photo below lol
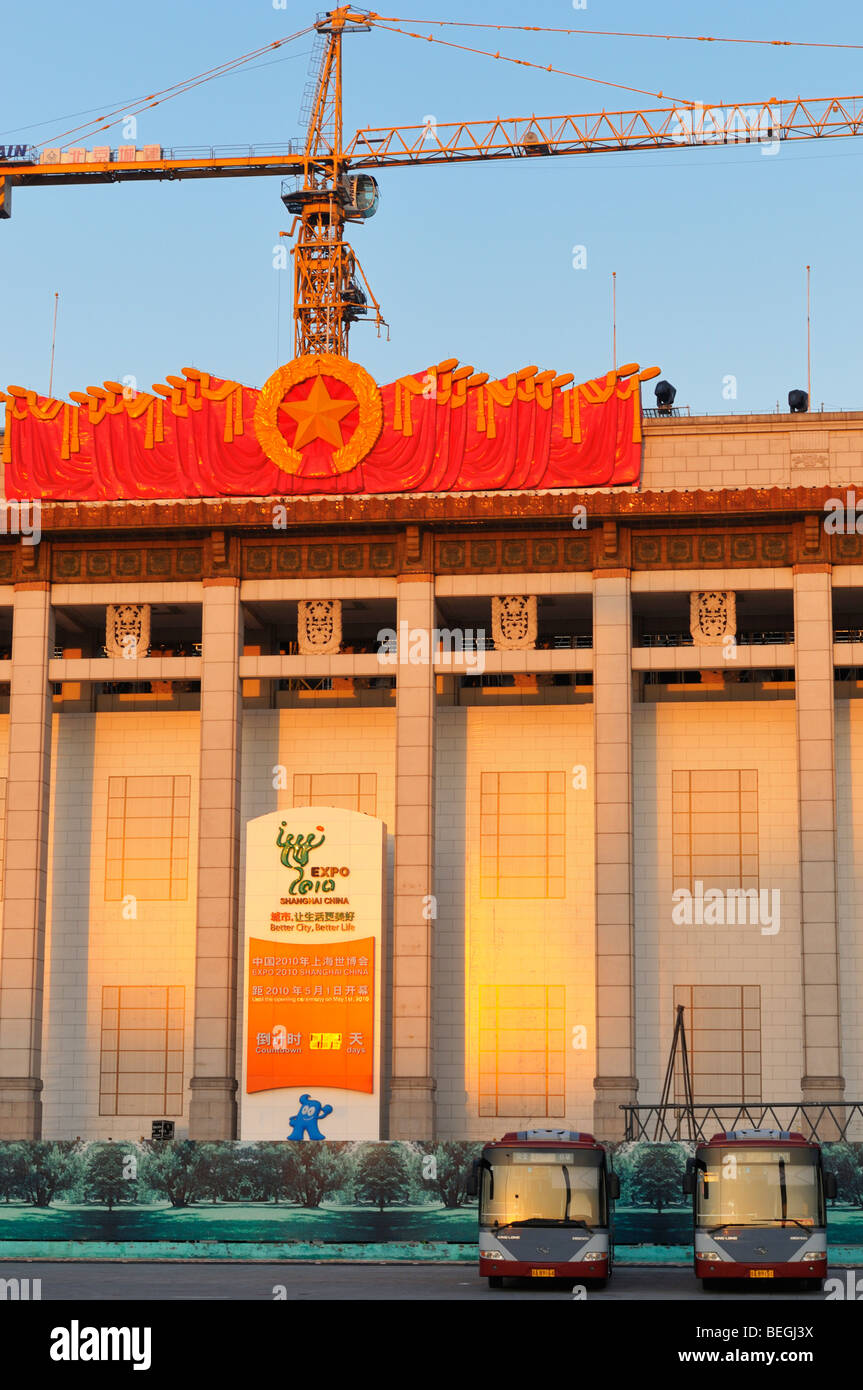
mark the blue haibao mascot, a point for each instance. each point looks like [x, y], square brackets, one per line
[305, 1123]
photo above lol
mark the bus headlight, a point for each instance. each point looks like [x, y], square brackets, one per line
[815, 1255]
[710, 1255]
[492, 1255]
[592, 1255]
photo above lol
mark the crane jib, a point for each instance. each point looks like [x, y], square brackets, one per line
[331, 292]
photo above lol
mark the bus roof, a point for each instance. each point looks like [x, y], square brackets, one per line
[760, 1136]
[546, 1138]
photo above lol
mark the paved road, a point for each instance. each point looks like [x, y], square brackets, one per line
[105, 1281]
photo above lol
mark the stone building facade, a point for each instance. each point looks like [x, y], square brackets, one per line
[545, 796]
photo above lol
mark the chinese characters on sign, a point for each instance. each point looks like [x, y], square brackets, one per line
[311, 1015]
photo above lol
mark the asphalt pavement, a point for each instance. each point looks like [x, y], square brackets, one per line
[226, 1281]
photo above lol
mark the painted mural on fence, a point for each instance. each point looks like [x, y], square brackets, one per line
[237, 1191]
[330, 1192]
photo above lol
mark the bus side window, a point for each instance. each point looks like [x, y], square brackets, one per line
[689, 1178]
[706, 1179]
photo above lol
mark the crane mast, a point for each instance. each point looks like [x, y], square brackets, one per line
[328, 296]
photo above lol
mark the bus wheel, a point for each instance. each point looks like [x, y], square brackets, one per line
[711, 1285]
[598, 1284]
[495, 1281]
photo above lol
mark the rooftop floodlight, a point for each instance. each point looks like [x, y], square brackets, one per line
[798, 400]
[665, 394]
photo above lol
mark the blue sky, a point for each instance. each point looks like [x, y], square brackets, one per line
[474, 262]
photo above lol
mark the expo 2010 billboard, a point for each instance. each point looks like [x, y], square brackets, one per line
[313, 969]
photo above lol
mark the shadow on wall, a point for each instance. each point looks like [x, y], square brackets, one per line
[69, 906]
[451, 924]
[848, 862]
[259, 796]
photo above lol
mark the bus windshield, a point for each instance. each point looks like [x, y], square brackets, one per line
[758, 1187]
[548, 1187]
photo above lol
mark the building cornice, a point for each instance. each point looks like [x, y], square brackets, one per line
[432, 509]
[352, 537]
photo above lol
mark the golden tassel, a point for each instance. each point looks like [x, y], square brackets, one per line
[160, 421]
[480, 410]
[148, 426]
[397, 411]
[64, 442]
[635, 397]
[7, 438]
[239, 427]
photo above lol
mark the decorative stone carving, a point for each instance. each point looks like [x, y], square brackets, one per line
[319, 628]
[712, 616]
[127, 630]
[513, 622]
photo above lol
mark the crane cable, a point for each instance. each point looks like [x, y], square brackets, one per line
[388, 22]
[144, 103]
[88, 110]
[540, 67]
[615, 33]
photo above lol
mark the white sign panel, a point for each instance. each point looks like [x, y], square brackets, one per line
[313, 945]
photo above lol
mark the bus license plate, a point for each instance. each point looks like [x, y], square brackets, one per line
[542, 1273]
[761, 1274]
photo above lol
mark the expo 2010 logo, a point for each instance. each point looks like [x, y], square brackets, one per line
[296, 851]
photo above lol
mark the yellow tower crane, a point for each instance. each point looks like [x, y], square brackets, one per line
[329, 182]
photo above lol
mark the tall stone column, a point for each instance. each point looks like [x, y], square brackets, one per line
[813, 635]
[411, 1111]
[22, 949]
[615, 1082]
[213, 1104]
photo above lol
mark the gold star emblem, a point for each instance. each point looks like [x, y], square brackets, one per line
[318, 416]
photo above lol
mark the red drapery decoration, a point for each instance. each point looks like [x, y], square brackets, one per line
[442, 431]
